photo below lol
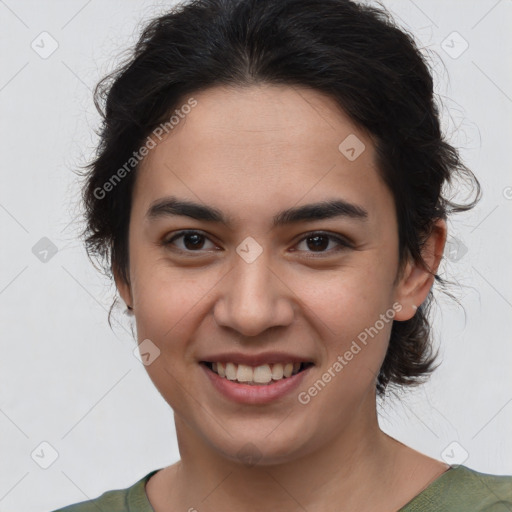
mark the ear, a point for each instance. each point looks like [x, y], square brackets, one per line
[122, 286]
[416, 281]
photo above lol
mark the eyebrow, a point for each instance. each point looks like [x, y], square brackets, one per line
[333, 208]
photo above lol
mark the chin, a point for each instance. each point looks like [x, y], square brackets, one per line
[251, 447]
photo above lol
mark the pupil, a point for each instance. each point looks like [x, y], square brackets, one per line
[197, 243]
[317, 244]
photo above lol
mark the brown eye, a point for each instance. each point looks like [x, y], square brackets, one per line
[319, 242]
[191, 241]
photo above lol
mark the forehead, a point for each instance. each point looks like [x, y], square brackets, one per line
[262, 145]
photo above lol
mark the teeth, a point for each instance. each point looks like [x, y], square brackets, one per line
[262, 374]
[230, 371]
[244, 373]
[277, 371]
[288, 369]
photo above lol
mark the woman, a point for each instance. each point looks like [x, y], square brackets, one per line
[268, 196]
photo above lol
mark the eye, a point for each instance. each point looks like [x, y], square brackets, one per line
[319, 241]
[193, 241]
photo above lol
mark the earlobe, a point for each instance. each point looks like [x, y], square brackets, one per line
[417, 280]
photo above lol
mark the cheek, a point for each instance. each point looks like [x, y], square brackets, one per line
[353, 316]
[348, 299]
[170, 302]
[164, 300]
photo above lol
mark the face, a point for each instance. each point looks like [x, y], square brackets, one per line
[261, 272]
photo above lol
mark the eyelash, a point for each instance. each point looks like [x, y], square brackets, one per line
[343, 244]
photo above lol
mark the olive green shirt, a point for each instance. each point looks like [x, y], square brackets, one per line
[459, 489]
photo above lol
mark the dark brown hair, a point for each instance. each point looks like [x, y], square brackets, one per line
[351, 52]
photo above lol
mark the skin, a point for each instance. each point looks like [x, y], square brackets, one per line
[251, 153]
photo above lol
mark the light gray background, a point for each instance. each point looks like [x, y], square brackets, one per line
[68, 380]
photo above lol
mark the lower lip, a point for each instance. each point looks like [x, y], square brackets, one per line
[253, 393]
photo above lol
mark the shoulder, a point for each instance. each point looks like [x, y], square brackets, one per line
[129, 499]
[464, 489]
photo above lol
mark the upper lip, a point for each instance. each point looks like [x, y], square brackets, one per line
[255, 359]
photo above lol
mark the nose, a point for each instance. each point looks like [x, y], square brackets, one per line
[254, 298]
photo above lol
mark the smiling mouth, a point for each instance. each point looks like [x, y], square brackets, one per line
[260, 375]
